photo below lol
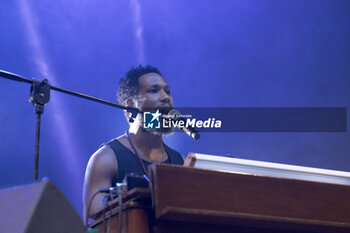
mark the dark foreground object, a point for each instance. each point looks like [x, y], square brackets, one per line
[37, 208]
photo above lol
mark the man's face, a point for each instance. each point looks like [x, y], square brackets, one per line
[154, 93]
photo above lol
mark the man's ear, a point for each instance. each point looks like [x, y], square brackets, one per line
[129, 103]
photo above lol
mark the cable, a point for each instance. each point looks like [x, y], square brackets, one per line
[120, 190]
[89, 206]
[103, 190]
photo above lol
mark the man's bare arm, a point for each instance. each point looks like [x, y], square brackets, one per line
[101, 169]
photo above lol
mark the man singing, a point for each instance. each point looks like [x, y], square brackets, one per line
[142, 88]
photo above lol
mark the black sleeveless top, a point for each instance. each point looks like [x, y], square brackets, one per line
[129, 163]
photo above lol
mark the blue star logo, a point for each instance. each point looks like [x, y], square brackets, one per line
[151, 120]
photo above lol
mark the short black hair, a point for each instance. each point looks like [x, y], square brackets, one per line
[129, 85]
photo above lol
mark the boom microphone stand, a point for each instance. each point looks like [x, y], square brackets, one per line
[40, 95]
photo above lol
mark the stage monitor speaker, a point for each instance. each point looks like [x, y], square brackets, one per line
[37, 208]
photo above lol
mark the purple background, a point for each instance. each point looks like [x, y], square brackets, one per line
[226, 53]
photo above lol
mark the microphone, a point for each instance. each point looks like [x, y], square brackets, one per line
[190, 131]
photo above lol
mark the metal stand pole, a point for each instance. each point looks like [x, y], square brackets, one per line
[39, 96]
[39, 109]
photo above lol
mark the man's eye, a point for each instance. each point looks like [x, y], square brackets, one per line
[168, 92]
[153, 90]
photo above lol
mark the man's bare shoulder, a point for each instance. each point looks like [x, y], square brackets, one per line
[101, 169]
[104, 158]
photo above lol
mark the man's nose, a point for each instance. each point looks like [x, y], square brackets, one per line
[165, 97]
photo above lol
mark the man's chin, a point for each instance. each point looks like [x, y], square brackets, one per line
[165, 110]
